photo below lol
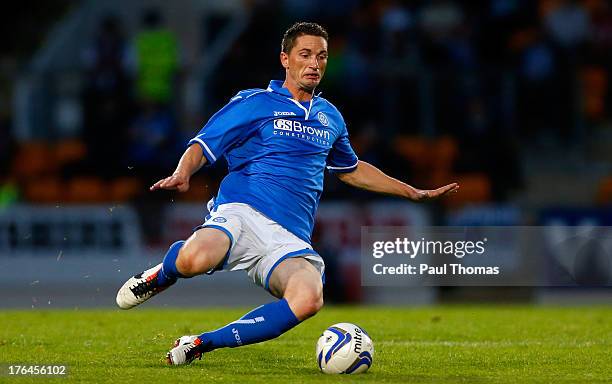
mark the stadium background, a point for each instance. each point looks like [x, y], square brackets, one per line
[509, 98]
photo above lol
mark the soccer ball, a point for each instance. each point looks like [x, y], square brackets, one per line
[344, 348]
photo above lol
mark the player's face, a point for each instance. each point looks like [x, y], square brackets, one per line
[305, 63]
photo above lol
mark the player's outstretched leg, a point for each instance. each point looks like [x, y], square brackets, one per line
[299, 285]
[200, 253]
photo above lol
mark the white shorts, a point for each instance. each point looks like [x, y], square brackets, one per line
[258, 244]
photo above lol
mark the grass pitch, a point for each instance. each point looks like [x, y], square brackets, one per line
[423, 345]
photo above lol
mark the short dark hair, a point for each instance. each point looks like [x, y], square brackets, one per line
[300, 29]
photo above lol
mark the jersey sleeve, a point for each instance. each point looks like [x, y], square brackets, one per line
[228, 126]
[342, 157]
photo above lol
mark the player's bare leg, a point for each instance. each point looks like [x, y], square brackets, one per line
[204, 250]
[299, 282]
[298, 285]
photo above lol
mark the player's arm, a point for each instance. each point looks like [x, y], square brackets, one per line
[230, 124]
[370, 178]
[192, 160]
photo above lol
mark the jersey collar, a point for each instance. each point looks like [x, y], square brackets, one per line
[276, 86]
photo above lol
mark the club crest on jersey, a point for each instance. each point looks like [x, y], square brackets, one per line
[323, 119]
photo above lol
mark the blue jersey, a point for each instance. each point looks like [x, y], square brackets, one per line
[277, 150]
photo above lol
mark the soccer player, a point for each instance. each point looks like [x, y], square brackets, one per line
[277, 142]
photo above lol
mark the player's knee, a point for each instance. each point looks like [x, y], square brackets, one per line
[307, 303]
[203, 251]
[185, 262]
[193, 261]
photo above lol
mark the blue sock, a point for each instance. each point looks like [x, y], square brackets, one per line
[261, 324]
[169, 273]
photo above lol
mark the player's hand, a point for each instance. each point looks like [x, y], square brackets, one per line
[175, 182]
[430, 194]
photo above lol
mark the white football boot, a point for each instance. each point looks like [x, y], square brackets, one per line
[140, 288]
[186, 349]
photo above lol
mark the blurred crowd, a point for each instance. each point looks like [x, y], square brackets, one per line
[433, 91]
